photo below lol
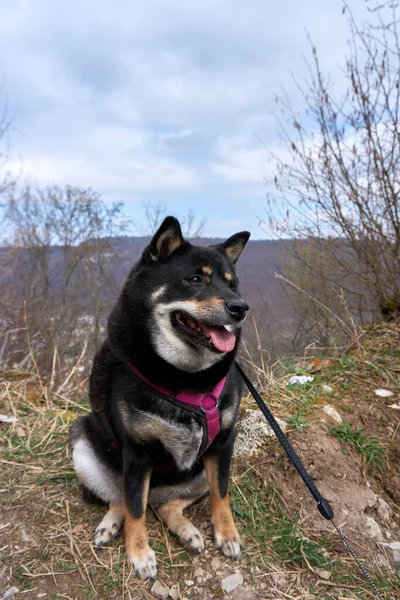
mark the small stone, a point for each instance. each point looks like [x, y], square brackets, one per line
[372, 529]
[188, 582]
[279, 580]
[300, 379]
[394, 552]
[199, 572]
[174, 593]
[383, 393]
[160, 591]
[327, 388]
[216, 564]
[10, 593]
[332, 413]
[323, 574]
[383, 511]
[42, 595]
[232, 582]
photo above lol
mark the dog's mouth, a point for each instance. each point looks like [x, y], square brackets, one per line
[215, 337]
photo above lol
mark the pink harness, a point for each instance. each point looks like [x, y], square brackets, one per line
[204, 404]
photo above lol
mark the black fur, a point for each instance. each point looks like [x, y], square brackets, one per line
[115, 391]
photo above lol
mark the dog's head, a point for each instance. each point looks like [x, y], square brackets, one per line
[194, 308]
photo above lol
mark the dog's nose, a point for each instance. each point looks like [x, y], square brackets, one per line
[237, 309]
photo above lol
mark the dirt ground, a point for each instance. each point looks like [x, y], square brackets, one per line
[47, 532]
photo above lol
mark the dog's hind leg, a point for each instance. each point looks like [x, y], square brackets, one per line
[171, 514]
[110, 525]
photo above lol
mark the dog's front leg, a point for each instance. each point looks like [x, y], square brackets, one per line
[226, 536]
[136, 487]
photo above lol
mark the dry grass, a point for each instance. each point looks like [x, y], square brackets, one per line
[46, 531]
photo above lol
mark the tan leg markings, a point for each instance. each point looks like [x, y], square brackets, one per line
[171, 514]
[226, 536]
[140, 555]
[109, 526]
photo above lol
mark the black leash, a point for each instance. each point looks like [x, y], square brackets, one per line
[322, 504]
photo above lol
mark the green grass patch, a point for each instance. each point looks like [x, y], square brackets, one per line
[264, 522]
[370, 447]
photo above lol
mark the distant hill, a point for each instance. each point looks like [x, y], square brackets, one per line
[256, 270]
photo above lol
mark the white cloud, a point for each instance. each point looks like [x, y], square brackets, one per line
[138, 98]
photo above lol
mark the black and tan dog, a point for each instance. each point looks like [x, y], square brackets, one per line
[165, 396]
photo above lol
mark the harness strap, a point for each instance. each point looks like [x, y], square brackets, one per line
[205, 405]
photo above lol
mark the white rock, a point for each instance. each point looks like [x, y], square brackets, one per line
[232, 582]
[300, 379]
[252, 432]
[372, 529]
[8, 419]
[216, 564]
[279, 580]
[174, 593]
[188, 582]
[332, 413]
[383, 510]
[323, 574]
[394, 551]
[395, 406]
[160, 591]
[10, 593]
[327, 388]
[199, 572]
[383, 393]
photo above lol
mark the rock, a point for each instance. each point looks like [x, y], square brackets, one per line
[10, 593]
[394, 552]
[372, 529]
[332, 413]
[174, 593]
[232, 582]
[383, 393]
[188, 582]
[300, 379]
[216, 564]
[8, 419]
[323, 574]
[252, 431]
[159, 590]
[395, 406]
[383, 511]
[327, 388]
[199, 572]
[279, 580]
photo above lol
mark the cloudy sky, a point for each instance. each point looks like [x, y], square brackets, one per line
[160, 100]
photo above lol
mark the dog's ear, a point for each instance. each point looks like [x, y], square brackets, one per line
[167, 239]
[234, 245]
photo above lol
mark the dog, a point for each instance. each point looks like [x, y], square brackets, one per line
[165, 396]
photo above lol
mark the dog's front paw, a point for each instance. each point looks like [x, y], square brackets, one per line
[105, 534]
[191, 538]
[228, 542]
[144, 563]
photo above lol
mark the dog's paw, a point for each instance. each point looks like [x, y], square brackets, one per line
[191, 538]
[105, 534]
[144, 563]
[228, 544]
[108, 527]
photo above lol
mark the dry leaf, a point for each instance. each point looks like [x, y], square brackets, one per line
[78, 529]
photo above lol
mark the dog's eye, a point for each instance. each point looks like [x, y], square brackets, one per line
[196, 279]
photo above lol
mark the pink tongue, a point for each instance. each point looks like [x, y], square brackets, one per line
[223, 340]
